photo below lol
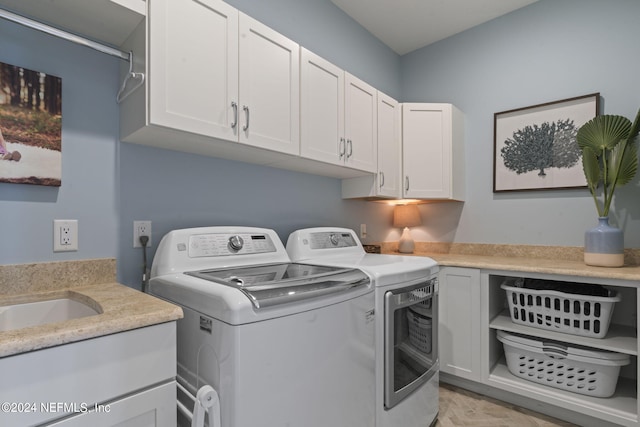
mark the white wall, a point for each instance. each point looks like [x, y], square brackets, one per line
[550, 50]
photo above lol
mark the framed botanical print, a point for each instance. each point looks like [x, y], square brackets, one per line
[535, 147]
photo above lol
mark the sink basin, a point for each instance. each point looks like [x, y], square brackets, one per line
[23, 315]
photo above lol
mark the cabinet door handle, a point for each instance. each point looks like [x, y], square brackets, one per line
[406, 183]
[350, 148]
[246, 113]
[381, 179]
[235, 114]
[341, 148]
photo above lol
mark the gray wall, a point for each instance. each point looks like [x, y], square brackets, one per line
[89, 154]
[177, 190]
[323, 28]
[107, 185]
[550, 50]
[538, 54]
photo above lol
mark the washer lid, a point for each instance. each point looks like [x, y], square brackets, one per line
[273, 284]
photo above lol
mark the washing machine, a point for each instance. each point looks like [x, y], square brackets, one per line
[281, 343]
[406, 321]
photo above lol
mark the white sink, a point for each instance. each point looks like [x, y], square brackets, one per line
[19, 316]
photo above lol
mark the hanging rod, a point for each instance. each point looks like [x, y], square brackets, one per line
[125, 56]
[19, 19]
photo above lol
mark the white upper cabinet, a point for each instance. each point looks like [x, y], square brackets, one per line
[389, 147]
[337, 115]
[361, 134]
[193, 75]
[432, 152]
[321, 109]
[387, 182]
[269, 107]
[213, 72]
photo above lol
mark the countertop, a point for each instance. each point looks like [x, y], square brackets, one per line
[92, 282]
[535, 265]
[533, 259]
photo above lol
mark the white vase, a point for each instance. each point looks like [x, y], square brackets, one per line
[406, 245]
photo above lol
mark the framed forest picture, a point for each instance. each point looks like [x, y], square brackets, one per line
[30, 126]
[535, 147]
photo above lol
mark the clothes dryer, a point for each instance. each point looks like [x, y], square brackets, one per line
[406, 321]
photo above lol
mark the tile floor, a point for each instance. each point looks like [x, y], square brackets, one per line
[459, 407]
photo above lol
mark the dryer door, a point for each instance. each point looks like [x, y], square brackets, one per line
[411, 339]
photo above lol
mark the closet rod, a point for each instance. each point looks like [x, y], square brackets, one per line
[63, 34]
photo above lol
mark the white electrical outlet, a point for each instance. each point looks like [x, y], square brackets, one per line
[363, 231]
[141, 228]
[65, 235]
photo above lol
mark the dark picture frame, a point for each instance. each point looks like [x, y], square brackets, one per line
[535, 147]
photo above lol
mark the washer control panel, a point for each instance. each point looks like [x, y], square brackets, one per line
[223, 244]
[331, 239]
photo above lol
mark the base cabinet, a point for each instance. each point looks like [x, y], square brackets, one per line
[459, 323]
[151, 408]
[126, 378]
[494, 377]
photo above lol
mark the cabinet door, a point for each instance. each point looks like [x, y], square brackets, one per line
[269, 88]
[459, 324]
[151, 408]
[426, 139]
[360, 124]
[389, 147]
[193, 66]
[321, 109]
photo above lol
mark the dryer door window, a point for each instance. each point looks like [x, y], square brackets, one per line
[411, 350]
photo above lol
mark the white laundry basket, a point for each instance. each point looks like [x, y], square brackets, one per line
[573, 368]
[419, 331]
[571, 313]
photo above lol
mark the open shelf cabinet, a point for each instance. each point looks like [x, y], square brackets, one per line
[621, 337]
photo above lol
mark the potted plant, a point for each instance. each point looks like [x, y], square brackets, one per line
[609, 160]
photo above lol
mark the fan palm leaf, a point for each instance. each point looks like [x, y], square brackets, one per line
[609, 155]
[624, 161]
[603, 132]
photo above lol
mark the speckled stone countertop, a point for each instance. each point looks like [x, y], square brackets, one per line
[561, 260]
[89, 281]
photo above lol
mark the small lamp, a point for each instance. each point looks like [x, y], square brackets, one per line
[405, 216]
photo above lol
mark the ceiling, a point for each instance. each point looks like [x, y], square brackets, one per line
[403, 25]
[407, 25]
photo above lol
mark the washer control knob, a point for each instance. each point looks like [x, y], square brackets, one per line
[334, 239]
[236, 243]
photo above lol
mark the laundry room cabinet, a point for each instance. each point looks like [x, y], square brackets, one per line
[228, 77]
[431, 160]
[621, 338]
[432, 152]
[124, 379]
[475, 315]
[387, 182]
[338, 115]
[459, 326]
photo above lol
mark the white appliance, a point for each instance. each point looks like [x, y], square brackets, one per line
[406, 317]
[282, 344]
